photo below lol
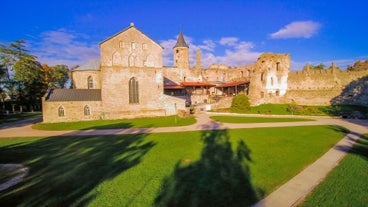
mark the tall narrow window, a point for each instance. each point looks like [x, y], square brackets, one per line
[133, 91]
[90, 82]
[277, 66]
[61, 111]
[87, 111]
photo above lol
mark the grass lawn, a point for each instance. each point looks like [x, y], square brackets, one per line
[17, 117]
[282, 109]
[165, 121]
[238, 119]
[347, 184]
[203, 168]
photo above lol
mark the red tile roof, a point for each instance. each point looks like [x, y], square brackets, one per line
[232, 84]
[173, 87]
[197, 84]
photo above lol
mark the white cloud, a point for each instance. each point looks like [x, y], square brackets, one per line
[230, 41]
[64, 47]
[298, 29]
[236, 53]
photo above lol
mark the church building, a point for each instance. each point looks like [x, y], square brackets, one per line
[130, 81]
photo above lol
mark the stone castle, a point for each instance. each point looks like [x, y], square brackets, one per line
[130, 81]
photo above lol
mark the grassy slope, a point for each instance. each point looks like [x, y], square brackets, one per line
[347, 184]
[166, 121]
[237, 119]
[131, 169]
[282, 109]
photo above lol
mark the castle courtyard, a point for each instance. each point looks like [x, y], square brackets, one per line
[286, 195]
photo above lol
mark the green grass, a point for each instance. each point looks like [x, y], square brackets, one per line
[347, 184]
[282, 109]
[218, 167]
[17, 117]
[238, 119]
[165, 121]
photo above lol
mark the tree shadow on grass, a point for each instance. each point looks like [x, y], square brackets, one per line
[65, 170]
[361, 147]
[220, 178]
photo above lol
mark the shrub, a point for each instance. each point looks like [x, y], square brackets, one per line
[240, 104]
[293, 107]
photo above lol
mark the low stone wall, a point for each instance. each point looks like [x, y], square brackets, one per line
[73, 111]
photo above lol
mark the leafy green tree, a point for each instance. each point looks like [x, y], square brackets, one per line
[55, 76]
[23, 74]
[240, 104]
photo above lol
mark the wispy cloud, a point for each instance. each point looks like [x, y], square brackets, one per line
[64, 47]
[236, 52]
[230, 41]
[298, 29]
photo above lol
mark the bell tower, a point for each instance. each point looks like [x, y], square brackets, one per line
[181, 53]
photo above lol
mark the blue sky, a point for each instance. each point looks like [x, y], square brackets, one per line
[230, 32]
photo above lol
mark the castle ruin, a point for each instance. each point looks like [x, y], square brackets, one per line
[130, 81]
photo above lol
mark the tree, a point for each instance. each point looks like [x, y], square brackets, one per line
[24, 77]
[321, 66]
[55, 76]
[240, 104]
[293, 107]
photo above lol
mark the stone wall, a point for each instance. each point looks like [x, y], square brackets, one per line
[152, 101]
[268, 80]
[131, 48]
[73, 111]
[80, 79]
[319, 87]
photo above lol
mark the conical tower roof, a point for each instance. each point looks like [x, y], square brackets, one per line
[181, 41]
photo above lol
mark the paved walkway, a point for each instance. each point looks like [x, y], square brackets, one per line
[289, 194]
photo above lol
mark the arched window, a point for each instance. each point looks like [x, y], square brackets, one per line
[90, 82]
[87, 111]
[61, 111]
[133, 91]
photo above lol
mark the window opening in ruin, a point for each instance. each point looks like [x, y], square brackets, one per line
[133, 91]
[87, 111]
[133, 45]
[177, 51]
[262, 76]
[90, 82]
[61, 111]
[277, 92]
[242, 74]
[277, 66]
